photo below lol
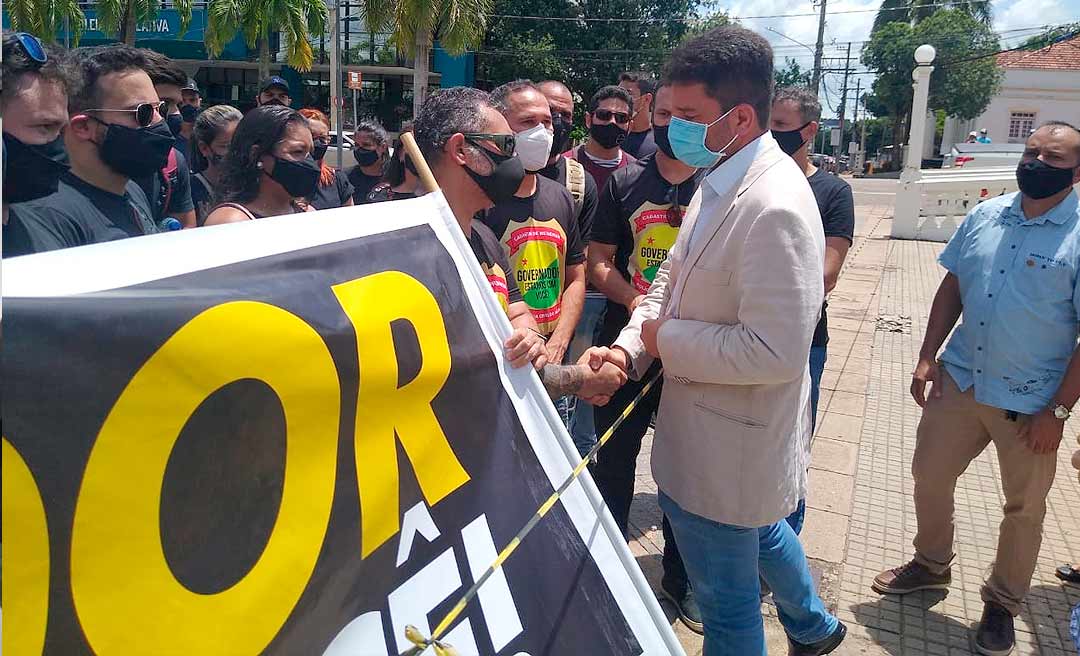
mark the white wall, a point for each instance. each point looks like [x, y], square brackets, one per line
[1050, 94]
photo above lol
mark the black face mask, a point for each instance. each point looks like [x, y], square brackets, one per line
[319, 151]
[174, 121]
[608, 135]
[562, 134]
[1039, 180]
[300, 179]
[273, 101]
[365, 157]
[790, 141]
[32, 170]
[134, 152]
[503, 181]
[659, 133]
[188, 113]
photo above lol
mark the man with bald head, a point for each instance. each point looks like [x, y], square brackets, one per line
[1011, 375]
[582, 188]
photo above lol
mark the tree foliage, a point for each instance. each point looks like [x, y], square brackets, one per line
[122, 17]
[45, 18]
[586, 55]
[913, 11]
[1051, 36]
[792, 75]
[296, 20]
[965, 77]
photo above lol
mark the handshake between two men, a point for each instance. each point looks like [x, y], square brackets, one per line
[598, 374]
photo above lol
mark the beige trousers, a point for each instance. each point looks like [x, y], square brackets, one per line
[952, 432]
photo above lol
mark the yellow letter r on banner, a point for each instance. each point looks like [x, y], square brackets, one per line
[384, 409]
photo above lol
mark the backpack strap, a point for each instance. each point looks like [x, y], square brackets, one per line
[575, 183]
[167, 174]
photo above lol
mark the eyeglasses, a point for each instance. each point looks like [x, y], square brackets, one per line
[607, 115]
[31, 45]
[674, 212]
[504, 143]
[144, 112]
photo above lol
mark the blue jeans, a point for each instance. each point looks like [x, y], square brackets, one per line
[818, 355]
[723, 561]
[581, 424]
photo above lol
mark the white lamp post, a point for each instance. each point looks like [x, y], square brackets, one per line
[909, 196]
[924, 55]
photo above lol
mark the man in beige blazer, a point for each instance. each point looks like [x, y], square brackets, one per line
[731, 313]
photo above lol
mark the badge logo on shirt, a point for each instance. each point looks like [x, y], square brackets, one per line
[653, 238]
[537, 254]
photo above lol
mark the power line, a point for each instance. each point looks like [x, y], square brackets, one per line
[734, 18]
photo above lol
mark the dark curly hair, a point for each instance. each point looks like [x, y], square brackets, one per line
[255, 136]
[735, 65]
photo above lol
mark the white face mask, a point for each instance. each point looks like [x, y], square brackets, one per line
[533, 147]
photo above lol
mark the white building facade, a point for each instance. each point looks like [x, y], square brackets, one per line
[1039, 86]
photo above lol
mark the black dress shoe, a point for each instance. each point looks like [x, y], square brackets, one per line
[684, 601]
[995, 636]
[823, 646]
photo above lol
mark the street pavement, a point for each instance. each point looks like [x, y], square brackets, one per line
[860, 517]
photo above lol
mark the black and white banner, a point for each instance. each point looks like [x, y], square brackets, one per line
[292, 436]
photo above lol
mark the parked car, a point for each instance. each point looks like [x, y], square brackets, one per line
[981, 156]
[345, 148]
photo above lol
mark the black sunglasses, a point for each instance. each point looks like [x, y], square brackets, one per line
[144, 112]
[31, 45]
[674, 212]
[504, 143]
[607, 115]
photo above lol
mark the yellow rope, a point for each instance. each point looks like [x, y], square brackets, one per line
[442, 649]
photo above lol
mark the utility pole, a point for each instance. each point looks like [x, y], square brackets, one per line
[335, 76]
[855, 117]
[843, 102]
[815, 82]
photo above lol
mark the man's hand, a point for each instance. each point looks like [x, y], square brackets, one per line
[601, 383]
[596, 356]
[1042, 433]
[636, 302]
[556, 349]
[650, 328]
[524, 347]
[926, 371]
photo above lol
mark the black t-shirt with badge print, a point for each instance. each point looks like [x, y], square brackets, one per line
[635, 215]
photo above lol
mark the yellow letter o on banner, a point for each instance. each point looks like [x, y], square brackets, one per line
[127, 598]
[25, 559]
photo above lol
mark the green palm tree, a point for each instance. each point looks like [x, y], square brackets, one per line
[913, 11]
[44, 18]
[297, 21]
[122, 17]
[458, 25]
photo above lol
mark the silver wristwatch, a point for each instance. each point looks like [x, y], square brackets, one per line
[1061, 412]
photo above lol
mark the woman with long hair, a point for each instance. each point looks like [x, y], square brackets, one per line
[334, 188]
[213, 132]
[268, 170]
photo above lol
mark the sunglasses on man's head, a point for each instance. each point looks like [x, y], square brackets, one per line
[31, 45]
[144, 112]
[674, 212]
[504, 143]
[607, 115]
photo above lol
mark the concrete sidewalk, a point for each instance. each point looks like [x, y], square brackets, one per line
[860, 517]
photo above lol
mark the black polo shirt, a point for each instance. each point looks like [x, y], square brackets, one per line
[77, 214]
[362, 184]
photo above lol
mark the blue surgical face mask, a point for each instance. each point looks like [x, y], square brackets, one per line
[688, 141]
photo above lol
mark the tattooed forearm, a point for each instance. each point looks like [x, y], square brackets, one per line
[562, 380]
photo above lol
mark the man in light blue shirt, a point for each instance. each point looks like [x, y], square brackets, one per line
[1011, 375]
